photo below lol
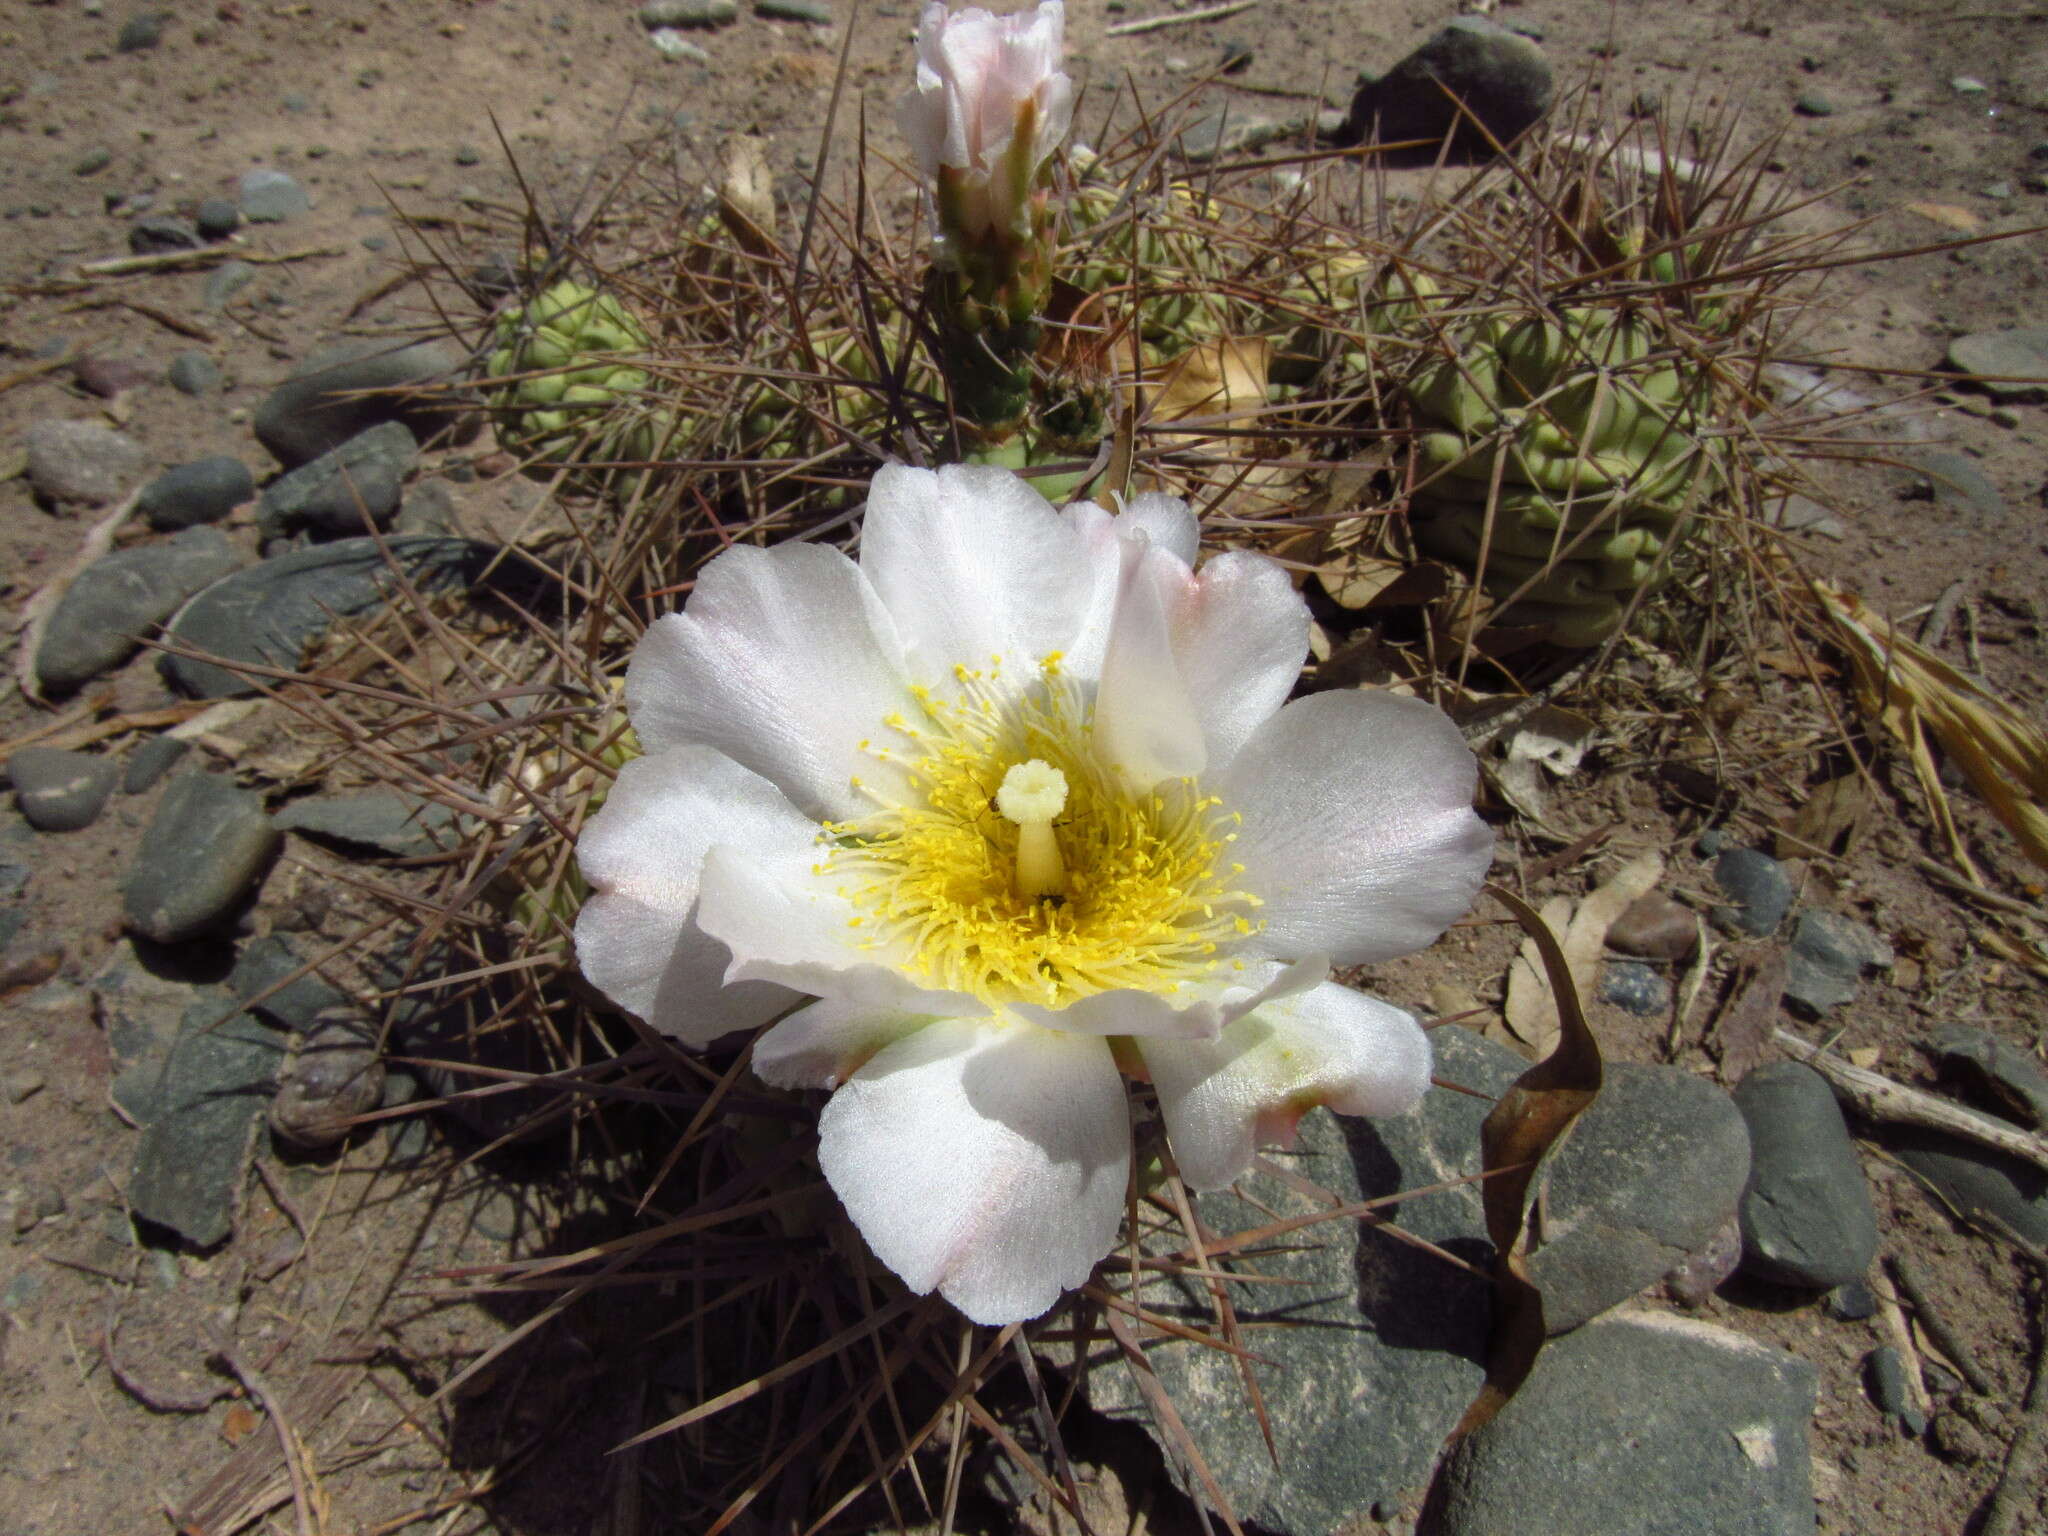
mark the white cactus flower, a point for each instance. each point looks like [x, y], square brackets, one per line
[989, 107]
[1020, 801]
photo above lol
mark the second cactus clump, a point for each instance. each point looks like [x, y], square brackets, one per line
[1562, 457]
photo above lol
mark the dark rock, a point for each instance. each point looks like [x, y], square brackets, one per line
[1957, 483]
[193, 1153]
[1634, 988]
[268, 614]
[348, 490]
[657, 14]
[150, 762]
[142, 31]
[161, 232]
[1977, 1180]
[204, 491]
[815, 12]
[1655, 927]
[1806, 1216]
[1998, 1074]
[268, 196]
[383, 820]
[194, 373]
[226, 280]
[1652, 1170]
[217, 218]
[1381, 1349]
[1693, 1283]
[83, 461]
[1759, 891]
[1886, 1374]
[1828, 957]
[263, 965]
[60, 790]
[334, 1076]
[1641, 1426]
[93, 161]
[1960, 1441]
[201, 855]
[321, 406]
[1850, 1302]
[2011, 365]
[1502, 79]
[121, 598]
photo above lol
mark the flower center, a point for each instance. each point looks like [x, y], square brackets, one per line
[1020, 867]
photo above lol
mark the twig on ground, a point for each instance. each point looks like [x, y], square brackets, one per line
[305, 1494]
[1892, 1323]
[1185, 18]
[179, 261]
[1913, 1282]
[155, 1400]
[1879, 1098]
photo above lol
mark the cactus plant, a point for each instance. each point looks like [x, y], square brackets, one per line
[564, 384]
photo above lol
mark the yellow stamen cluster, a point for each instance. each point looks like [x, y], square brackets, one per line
[1144, 896]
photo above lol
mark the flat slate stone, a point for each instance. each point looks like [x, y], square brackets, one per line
[1384, 1344]
[347, 490]
[2019, 355]
[265, 962]
[268, 614]
[1647, 1177]
[1977, 1179]
[383, 820]
[194, 1152]
[121, 598]
[1998, 1074]
[1641, 1425]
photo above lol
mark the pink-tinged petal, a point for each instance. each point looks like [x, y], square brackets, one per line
[636, 938]
[972, 564]
[984, 1159]
[785, 922]
[823, 1045]
[1358, 831]
[1146, 726]
[1224, 1098]
[1198, 1011]
[784, 660]
[1241, 636]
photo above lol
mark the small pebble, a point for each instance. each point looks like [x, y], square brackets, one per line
[22, 1086]
[1850, 1302]
[676, 48]
[194, 373]
[93, 161]
[217, 218]
[1957, 1439]
[812, 11]
[1967, 85]
[1813, 104]
[1885, 1374]
[142, 31]
[1634, 988]
[1655, 927]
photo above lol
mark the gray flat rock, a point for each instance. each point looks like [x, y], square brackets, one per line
[321, 405]
[204, 491]
[266, 962]
[1976, 1180]
[2012, 365]
[1806, 1215]
[268, 614]
[59, 790]
[1642, 1425]
[1648, 1176]
[1385, 1341]
[203, 852]
[382, 820]
[121, 598]
[82, 461]
[1999, 1074]
[193, 1153]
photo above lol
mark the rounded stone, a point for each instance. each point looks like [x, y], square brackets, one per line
[60, 790]
[1759, 891]
[268, 196]
[1806, 1214]
[194, 373]
[203, 852]
[344, 390]
[82, 461]
[1501, 77]
[217, 218]
[335, 1076]
[1655, 927]
[204, 491]
[120, 599]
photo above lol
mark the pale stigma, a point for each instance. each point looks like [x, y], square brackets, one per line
[1032, 794]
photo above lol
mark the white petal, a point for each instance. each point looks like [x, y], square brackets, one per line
[1196, 1012]
[1165, 521]
[784, 660]
[636, 940]
[1241, 635]
[1358, 829]
[786, 923]
[972, 564]
[985, 1159]
[1224, 1098]
[823, 1045]
[1145, 723]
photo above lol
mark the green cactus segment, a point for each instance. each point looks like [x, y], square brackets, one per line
[565, 384]
[1563, 453]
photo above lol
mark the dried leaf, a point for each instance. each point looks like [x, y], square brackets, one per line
[1949, 216]
[1225, 378]
[1829, 820]
[1531, 1121]
[1357, 580]
[1744, 1028]
[746, 196]
[239, 1423]
[1532, 1009]
[1556, 738]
